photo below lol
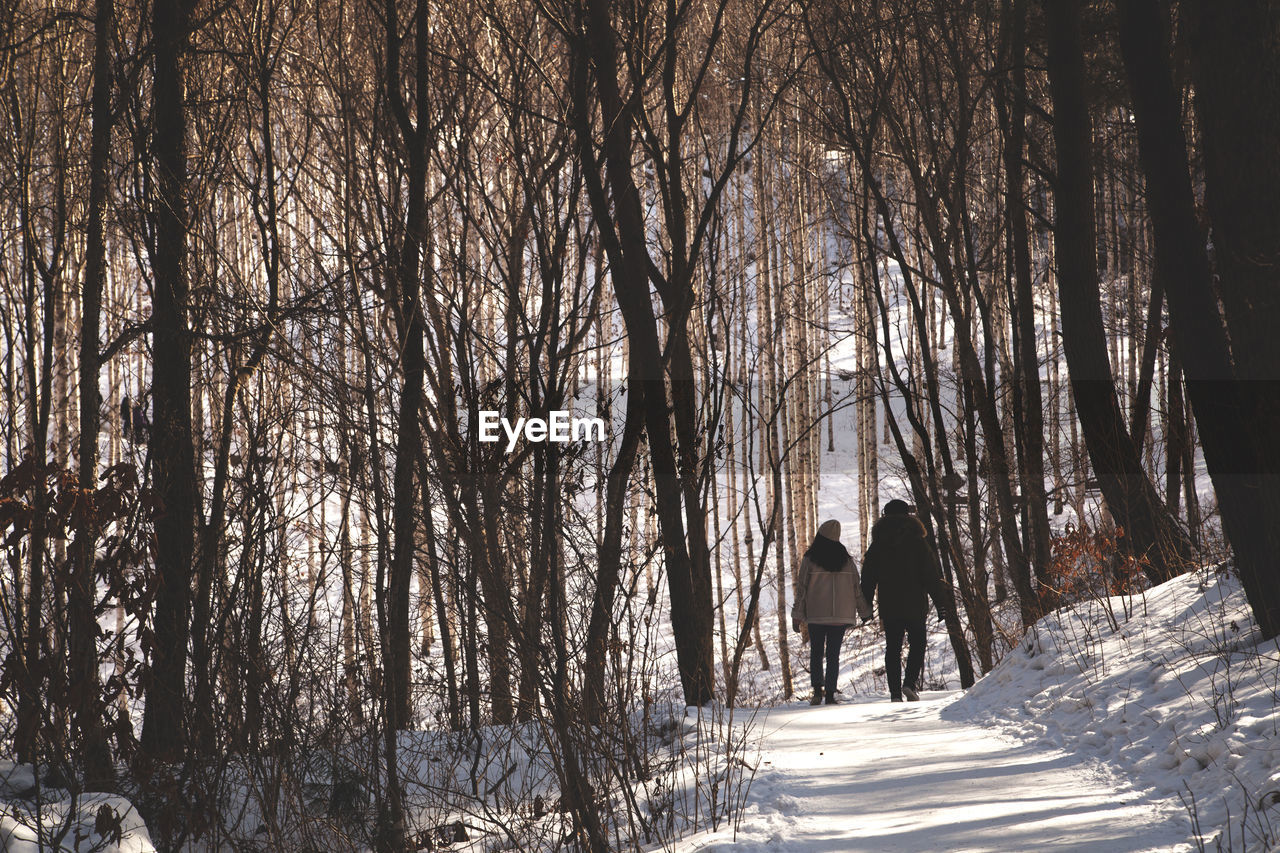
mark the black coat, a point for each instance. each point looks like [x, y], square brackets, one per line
[902, 568]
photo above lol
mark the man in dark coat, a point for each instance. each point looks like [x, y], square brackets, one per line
[902, 570]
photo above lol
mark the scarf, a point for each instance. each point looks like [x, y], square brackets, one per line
[827, 553]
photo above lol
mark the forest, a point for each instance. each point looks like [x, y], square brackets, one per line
[272, 270]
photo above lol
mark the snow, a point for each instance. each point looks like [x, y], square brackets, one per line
[16, 779]
[72, 825]
[1132, 723]
[874, 775]
[1172, 688]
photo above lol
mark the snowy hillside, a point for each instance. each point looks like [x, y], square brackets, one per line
[1172, 689]
[1135, 723]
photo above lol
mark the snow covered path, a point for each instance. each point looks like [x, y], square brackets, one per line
[876, 776]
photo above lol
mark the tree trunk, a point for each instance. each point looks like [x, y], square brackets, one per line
[1023, 305]
[83, 598]
[172, 453]
[1149, 533]
[1237, 75]
[623, 230]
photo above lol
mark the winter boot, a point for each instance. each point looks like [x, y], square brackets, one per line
[911, 694]
[816, 699]
[832, 700]
[895, 698]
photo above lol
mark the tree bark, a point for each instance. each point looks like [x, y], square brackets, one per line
[609, 556]
[1023, 305]
[1149, 532]
[172, 452]
[623, 231]
[95, 757]
[1237, 75]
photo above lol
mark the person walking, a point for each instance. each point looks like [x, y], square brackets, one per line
[828, 600]
[901, 571]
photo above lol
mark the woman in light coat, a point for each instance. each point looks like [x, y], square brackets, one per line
[828, 600]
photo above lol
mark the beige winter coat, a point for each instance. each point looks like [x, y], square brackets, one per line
[828, 598]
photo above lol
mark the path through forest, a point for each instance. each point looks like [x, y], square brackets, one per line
[873, 775]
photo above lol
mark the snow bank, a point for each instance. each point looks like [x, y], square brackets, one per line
[90, 823]
[881, 776]
[1172, 687]
[16, 780]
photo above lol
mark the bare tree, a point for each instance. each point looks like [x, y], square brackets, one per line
[1235, 64]
[1149, 531]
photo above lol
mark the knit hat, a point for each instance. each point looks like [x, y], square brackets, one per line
[897, 507]
[830, 529]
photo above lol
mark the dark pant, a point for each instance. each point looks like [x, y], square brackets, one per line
[825, 637]
[894, 630]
